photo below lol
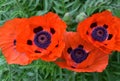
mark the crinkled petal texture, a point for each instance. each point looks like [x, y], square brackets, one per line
[43, 38]
[95, 61]
[101, 29]
[8, 34]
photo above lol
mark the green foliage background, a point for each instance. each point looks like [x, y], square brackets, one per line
[70, 11]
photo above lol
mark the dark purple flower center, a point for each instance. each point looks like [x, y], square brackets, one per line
[42, 39]
[78, 55]
[99, 33]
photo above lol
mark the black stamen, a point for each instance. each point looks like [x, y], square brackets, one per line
[93, 25]
[29, 42]
[37, 29]
[42, 38]
[110, 36]
[14, 42]
[105, 26]
[69, 49]
[52, 30]
[80, 46]
[36, 51]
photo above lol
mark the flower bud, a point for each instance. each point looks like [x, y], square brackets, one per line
[80, 17]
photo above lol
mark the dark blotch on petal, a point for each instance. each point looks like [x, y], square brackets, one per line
[110, 36]
[88, 53]
[72, 67]
[37, 29]
[80, 46]
[93, 25]
[52, 30]
[69, 49]
[87, 33]
[29, 42]
[14, 42]
[57, 45]
[105, 44]
[36, 51]
[105, 26]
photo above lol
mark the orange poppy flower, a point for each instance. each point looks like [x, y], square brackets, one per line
[81, 56]
[43, 37]
[101, 29]
[8, 34]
